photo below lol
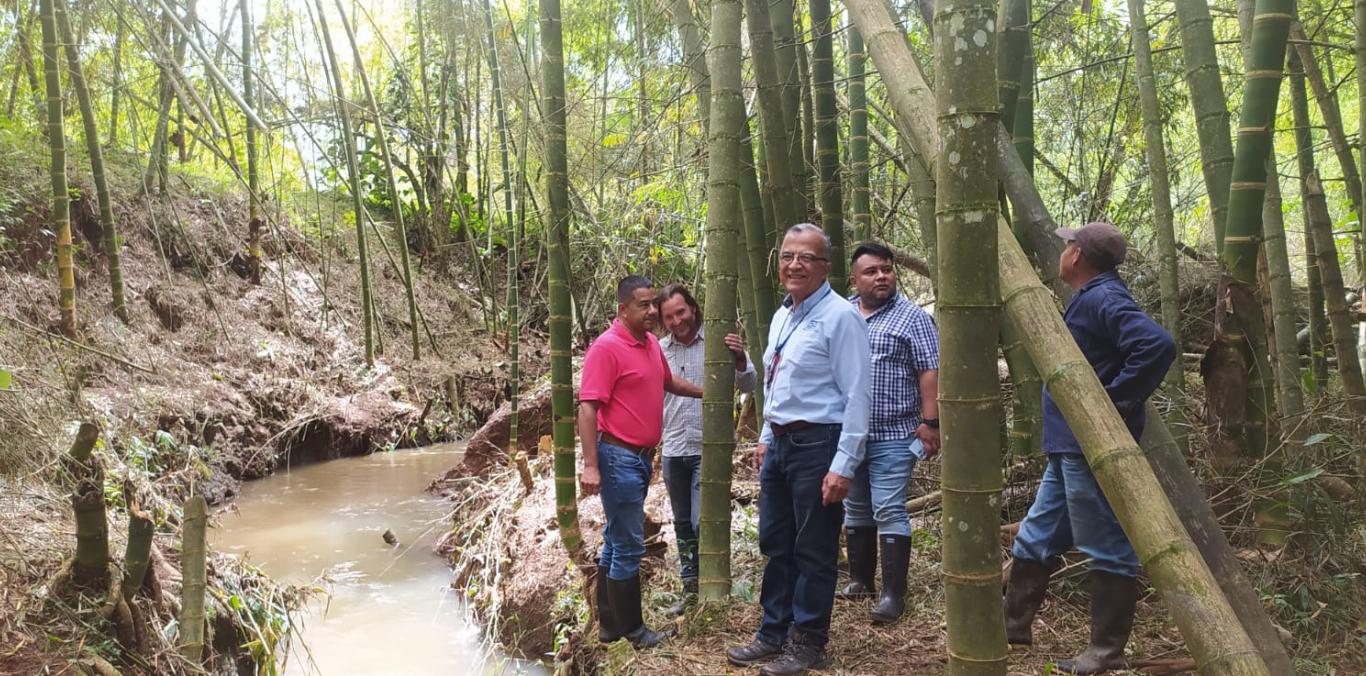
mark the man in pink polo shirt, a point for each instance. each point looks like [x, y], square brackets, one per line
[621, 419]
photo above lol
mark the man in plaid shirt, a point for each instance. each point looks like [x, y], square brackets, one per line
[903, 427]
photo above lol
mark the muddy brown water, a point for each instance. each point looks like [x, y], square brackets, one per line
[389, 609]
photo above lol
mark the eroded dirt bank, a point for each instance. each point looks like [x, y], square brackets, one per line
[211, 381]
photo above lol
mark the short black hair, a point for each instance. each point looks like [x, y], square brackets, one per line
[626, 288]
[871, 249]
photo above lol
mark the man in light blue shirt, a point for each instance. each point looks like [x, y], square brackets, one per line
[815, 425]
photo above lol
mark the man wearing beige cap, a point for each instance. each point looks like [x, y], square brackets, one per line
[1130, 354]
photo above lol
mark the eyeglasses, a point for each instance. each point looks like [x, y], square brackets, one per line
[787, 257]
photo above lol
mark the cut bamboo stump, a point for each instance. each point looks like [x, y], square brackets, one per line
[193, 531]
[91, 569]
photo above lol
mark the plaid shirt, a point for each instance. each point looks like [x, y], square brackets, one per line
[683, 415]
[905, 343]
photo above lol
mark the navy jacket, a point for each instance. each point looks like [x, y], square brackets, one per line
[1129, 351]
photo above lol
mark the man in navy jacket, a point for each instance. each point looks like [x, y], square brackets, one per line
[1130, 354]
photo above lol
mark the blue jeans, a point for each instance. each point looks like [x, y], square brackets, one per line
[625, 479]
[799, 535]
[683, 479]
[877, 495]
[1069, 510]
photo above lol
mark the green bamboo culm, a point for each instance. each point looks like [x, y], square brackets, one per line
[1243, 327]
[1022, 127]
[414, 322]
[788, 204]
[1156, 153]
[826, 120]
[1026, 393]
[1206, 90]
[510, 222]
[1334, 292]
[194, 554]
[788, 50]
[109, 235]
[1212, 631]
[968, 313]
[859, 201]
[255, 224]
[724, 217]
[1015, 42]
[61, 201]
[1304, 156]
[1360, 238]
[561, 351]
[353, 176]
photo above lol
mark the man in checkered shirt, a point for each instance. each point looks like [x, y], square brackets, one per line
[903, 427]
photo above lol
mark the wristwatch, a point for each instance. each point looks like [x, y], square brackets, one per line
[932, 423]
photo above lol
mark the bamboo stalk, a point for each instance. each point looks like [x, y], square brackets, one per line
[193, 561]
[92, 144]
[91, 568]
[61, 204]
[1216, 638]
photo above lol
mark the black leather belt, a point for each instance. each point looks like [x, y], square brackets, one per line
[612, 439]
[796, 425]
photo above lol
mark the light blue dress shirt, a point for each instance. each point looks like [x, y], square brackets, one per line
[822, 374]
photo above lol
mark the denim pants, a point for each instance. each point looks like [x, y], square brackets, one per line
[877, 495]
[683, 479]
[1070, 510]
[625, 479]
[799, 535]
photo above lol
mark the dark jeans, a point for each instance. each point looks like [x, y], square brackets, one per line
[799, 535]
[683, 479]
[625, 479]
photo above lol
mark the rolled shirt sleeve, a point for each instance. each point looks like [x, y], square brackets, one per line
[745, 380]
[850, 364]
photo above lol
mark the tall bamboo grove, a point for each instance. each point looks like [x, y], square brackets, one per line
[969, 312]
[61, 203]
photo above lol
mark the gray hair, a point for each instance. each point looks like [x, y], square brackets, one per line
[809, 227]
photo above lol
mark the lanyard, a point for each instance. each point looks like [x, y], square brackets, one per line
[782, 341]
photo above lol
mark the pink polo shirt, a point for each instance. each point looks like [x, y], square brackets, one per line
[627, 378]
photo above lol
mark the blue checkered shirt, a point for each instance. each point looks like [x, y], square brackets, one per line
[904, 344]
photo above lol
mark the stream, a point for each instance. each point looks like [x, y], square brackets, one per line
[388, 609]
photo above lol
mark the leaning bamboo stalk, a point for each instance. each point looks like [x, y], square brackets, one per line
[209, 66]
[92, 145]
[1188, 499]
[1327, 102]
[1334, 293]
[388, 158]
[1206, 88]
[194, 527]
[1211, 629]
[137, 554]
[353, 174]
[61, 201]
[788, 204]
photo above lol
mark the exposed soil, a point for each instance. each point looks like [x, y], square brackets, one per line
[211, 381]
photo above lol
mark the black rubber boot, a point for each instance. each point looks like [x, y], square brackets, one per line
[896, 558]
[1113, 599]
[800, 654]
[608, 630]
[861, 546]
[1024, 594]
[625, 599]
[688, 599]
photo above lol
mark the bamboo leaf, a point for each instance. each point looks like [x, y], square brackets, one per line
[6, 379]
